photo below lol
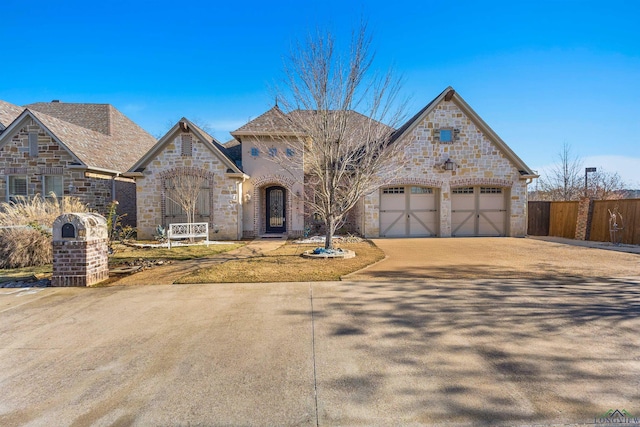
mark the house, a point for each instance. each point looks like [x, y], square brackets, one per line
[70, 149]
[188, 151]
[462, 179]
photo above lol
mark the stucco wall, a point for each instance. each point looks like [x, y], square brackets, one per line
[266, 171]
[479, 162]
[224, 190]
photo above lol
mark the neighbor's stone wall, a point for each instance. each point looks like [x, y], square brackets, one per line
[478, 160]
[225, 200]
[95, 190]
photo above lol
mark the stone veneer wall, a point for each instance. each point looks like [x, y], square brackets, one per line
[92, 189]
[478, 160]
[225, 191]
[79, 263]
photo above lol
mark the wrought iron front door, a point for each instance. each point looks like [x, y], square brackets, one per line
[276, 214]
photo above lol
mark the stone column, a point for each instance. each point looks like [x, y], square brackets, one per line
[583, 223]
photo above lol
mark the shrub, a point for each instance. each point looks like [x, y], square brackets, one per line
[28, 241]
[24, 247]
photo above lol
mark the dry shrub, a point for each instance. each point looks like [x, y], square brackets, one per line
[24, 247]
[38, 210]
[28, 241]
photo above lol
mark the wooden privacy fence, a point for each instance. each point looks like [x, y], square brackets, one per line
[630, 211]
[564, 219]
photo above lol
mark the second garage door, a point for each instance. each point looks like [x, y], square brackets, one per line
[408, 211]
[478, 211]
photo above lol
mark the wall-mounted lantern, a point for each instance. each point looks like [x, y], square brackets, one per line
[449, 165]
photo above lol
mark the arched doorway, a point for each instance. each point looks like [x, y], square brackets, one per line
[275, 210]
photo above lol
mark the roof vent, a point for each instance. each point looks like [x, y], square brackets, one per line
[56, 100]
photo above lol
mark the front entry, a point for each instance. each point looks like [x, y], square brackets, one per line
[275, 210]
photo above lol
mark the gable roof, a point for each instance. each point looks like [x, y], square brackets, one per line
[449, 94]
[276, 122]
[210, 142]
[8, 113]
[272, 122]
[112, 153]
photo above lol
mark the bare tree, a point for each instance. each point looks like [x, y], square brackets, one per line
[346, 154]
[183, 189]
[564, 180]
[604, 185]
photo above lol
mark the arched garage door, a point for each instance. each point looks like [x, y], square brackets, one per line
[408, 211]
[478, 211]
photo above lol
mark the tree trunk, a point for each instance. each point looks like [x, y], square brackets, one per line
[331, 225]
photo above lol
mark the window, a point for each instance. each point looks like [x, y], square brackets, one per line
[421, 190]
[393, 190]
[255, 152]
[33, 144]
[490, 190]
[273, 151]
[187, 146]
[463, 190]
[445, 135]
[17, 186]
[52, 184]
[290, 152]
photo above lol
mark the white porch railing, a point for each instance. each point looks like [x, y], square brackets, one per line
[194, 230]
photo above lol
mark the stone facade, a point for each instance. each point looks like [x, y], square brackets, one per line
[16, 159]
[479, 162]
[225, 192]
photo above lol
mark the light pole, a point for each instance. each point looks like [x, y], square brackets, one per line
[586, 171]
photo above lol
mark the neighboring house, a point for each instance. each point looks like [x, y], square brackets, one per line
[70, 149]
[462, 179]
[187, 150]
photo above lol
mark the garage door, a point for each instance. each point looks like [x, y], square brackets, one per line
[478, 211]
[408, 211]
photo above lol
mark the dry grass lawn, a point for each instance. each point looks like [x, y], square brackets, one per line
[286, 265]
[178, 253]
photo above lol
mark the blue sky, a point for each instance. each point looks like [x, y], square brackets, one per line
[540, 73]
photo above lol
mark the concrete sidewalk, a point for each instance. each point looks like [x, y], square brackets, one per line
[632, 249]
[168, 274]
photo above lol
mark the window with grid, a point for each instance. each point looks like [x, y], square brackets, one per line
[490, 190]
[393, 190]
[463, 190]
[17, 186]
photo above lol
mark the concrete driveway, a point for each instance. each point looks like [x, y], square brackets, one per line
[407, 351]
[495, 257]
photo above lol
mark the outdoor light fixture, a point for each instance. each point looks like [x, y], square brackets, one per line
[71, 188]
[247, 197]
[449, 165]
[586, 172]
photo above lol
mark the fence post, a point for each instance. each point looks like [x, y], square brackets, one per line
[583, 224]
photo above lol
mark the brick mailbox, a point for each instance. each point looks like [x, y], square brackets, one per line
[80, 250]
